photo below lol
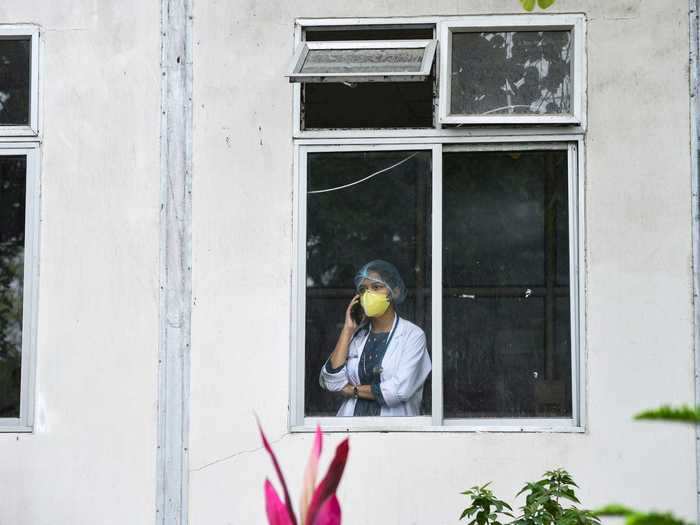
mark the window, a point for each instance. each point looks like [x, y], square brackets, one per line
[527, 72]
[483, 227]
[392, 84]
[19, 206]
[19, 52]
[363, 61]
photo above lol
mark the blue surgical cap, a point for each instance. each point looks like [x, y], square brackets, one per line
[385, 273]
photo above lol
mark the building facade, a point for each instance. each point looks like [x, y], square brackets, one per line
[192, 188]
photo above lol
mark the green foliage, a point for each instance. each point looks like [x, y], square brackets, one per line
[547, 502]
[682, 414]
[529, 5]
[485, 507]
[614, 510]
[634, 517]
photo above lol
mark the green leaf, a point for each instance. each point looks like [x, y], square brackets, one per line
[654, 518]
[544, 4]
[614, 509]
[682, 414]
[528, 5]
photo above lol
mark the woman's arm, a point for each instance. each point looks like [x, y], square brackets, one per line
[334, 376]
[413, 369]
[340, 353]
[363, 391]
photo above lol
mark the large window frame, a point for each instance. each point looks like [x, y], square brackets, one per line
[25, 140]
[498, 136]
[25, 421]
[32, 33]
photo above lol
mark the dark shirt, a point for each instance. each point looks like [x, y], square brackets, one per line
[369, 370]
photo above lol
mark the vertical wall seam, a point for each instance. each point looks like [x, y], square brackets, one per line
[695, 210]
[175, 267]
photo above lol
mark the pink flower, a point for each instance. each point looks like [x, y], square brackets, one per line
[319, 504]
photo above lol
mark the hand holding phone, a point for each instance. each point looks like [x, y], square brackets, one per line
[357, 313]
[354, 314]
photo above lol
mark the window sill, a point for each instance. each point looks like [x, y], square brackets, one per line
[424, 424]
[11, 426]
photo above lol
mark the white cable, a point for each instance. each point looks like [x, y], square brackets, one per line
[366, 178]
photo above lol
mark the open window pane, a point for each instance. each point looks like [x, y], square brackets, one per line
[350, 223]
[15, 80]
[363, 61]
[12, 208]
[518, 72]
[506, 313]
[324, 61]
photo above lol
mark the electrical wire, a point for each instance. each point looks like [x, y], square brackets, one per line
[365, 178]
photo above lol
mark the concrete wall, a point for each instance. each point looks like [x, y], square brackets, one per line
[91, 458]
[638, 273]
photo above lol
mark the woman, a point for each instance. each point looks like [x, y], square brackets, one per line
[379, 364]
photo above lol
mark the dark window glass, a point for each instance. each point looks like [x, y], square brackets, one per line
[12, 198]
[367, 105]
[385, 217]
[407, 33]
[506, 316]
[511, 73]
[15, 79]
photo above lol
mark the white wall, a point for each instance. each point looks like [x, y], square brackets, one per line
[92, 456]
[639, 334]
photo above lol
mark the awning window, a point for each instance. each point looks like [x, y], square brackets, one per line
[363, 61]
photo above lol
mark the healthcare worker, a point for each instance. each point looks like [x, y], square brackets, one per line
[380, 361]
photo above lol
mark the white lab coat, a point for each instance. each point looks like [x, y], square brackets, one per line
[405, 367]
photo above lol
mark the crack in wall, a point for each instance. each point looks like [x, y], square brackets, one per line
[238, 454]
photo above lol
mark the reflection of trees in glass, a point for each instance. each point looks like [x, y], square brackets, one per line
[506, 333]
[15, 66]
[511, 72]
[12, 199]
[373, 220]
[386, 217]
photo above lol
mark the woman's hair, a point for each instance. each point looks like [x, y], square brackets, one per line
[388, 275]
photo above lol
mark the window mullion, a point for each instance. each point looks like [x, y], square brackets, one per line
[574, 282]
[299, 295]
[436, 264]
[30, 304]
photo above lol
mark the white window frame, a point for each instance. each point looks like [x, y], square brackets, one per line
[303, 48]
[32, 32]
[477, 136]
[299, 422]
[25, 421]
[351, 23]
[574, 23]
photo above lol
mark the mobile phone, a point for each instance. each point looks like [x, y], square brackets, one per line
[357, 313]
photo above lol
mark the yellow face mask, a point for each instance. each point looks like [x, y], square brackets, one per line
[374, 303]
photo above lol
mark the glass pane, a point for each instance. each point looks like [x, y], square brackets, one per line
[506, 317]
[324, 61]
[326, 34]
[367, 105]
[15, 78]
[523, 72]
[12, 198]
[384, 217]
